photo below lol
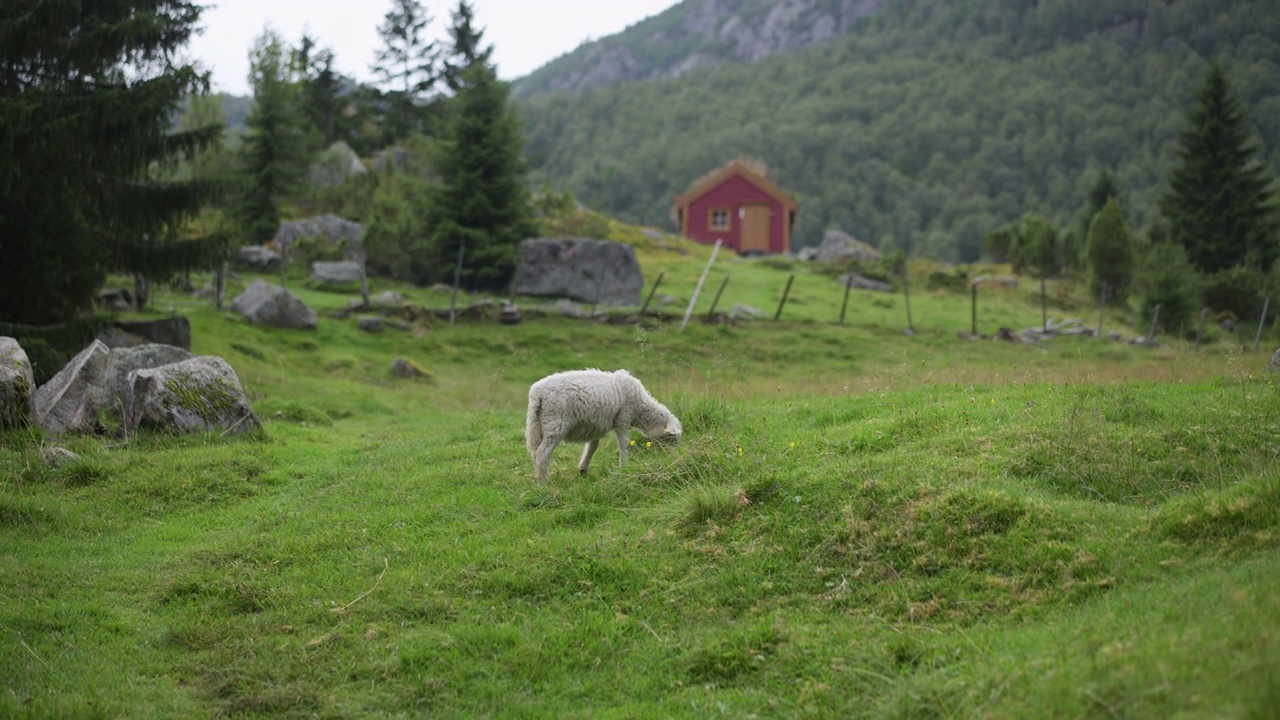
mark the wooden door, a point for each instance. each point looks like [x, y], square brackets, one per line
[755, 229]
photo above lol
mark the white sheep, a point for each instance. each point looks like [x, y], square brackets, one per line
[584, 406]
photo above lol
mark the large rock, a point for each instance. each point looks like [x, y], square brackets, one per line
[1273, 364]
[258, 257]
[69, 402]
[17, 385]
[265, 303]
[858, 281]
[347, 235]
[335, 166]
[175, 331]
[838, 246]
[337, 273]
[196, 395]
[125, 360]
[592, 271]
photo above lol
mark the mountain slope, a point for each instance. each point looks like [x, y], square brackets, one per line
[696, 34]
[925, 124]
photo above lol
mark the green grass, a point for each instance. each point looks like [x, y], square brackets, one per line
[857, 524]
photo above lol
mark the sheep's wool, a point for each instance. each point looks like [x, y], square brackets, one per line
[586, 405]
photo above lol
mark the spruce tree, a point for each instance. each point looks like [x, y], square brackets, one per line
[274, 151]
[482, 198]
[87, 96]
[466, 46]
[1110, 252]
[1219, 204]
[406, 65]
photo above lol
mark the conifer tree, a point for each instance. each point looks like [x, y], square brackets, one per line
[1110, 252]
[466, 46]
[406, 65]
[87, 94]
[482, 199]
[1219, 204]
[274, 151]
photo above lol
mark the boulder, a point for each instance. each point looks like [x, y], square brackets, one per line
[17, 385]
[335, 166]
[591, 271]
[265, 303]
[69, 402]
[861, 282]
[347, 235]
[200, 394]
[839, 246]
[369, 323]
[115, 300]
[404, 368]
[258, 257]
[387, 299]
[123, 361]
[175, 331]
[337, 273]
[1273, 364]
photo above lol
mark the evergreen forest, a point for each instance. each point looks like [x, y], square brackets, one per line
[925, 127]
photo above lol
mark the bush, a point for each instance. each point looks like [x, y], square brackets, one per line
[1168, 280]
[1239, 291]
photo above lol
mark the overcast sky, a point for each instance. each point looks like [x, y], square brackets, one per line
[525, 34]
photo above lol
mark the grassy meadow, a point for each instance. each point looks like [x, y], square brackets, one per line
[858, 523]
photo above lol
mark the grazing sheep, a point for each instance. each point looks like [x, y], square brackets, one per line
[584, 406]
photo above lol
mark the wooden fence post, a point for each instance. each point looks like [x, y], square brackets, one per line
[652, 290]
[457, 279]
[973, 292]
[786, 291]
[1261, 321]
[696, 291]
[711, 313]
[848, 283]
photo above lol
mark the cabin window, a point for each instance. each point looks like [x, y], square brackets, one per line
[718, 219]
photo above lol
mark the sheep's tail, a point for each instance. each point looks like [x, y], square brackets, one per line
[533, 424]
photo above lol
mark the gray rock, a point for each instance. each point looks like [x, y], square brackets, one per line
[387, 299]
[347, 235]
[69, 401]
[861, 282]
[17, 385]
[265, 303]
[116, 300]
[196, 395]
[746, 312]
[335, 166]
[57, 456]
[123, 361]
[337, 272]
[592, 271]
[839, 246]
[175, 331]
[1274, 363]
[370, 323]
[406, 369]
[258, 257]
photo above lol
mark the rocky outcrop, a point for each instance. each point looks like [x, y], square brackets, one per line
[592, 271]
[201, 394]
[121, 362]
[838, 246]
[265, 303]
[17, 385]
[711, 31]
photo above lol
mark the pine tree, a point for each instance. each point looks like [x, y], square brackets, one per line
[273, 151]
[1219, 204]
[407, 66]
[87, 93]
[1110, 252]
[1075, 244]
[482, 200]
[466, 46]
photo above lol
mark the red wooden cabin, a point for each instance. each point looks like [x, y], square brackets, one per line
[739, 207]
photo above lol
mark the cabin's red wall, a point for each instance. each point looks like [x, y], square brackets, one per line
[733, 193]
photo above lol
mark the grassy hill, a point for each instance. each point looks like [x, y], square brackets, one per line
[858, 523]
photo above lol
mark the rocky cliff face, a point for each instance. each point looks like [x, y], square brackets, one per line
[698, 33]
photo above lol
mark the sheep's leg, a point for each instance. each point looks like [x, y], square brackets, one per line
[624, 436]
[542, 459]
[587, 452]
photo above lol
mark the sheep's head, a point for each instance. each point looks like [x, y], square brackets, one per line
[665, 428]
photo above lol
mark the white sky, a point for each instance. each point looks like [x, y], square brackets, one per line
[525, 34]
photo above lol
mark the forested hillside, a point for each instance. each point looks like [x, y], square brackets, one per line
[926, 124]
